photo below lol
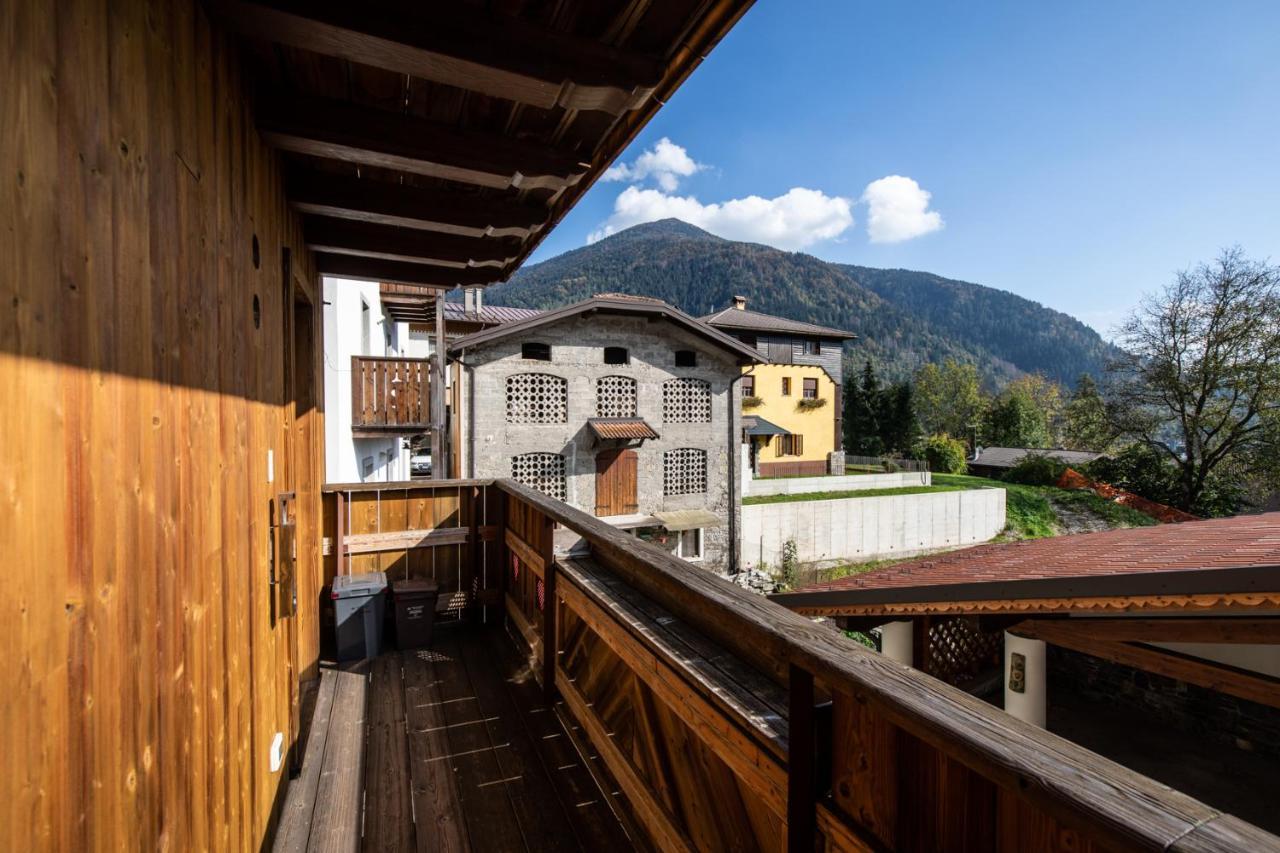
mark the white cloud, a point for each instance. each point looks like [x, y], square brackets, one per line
[898, 209]
[794, 220]
[665, 162]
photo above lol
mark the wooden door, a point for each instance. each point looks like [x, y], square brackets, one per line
[616, 482]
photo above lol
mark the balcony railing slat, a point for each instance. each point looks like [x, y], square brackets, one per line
[390, 394]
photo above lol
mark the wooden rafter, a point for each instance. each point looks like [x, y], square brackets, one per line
[1231, 630]
[338, 130]
[414, 207]
[340, 236]
[399, 272]
[1237, 682]
[451, 43]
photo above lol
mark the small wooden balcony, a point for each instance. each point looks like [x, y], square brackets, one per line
[390, 395]
[704, 717]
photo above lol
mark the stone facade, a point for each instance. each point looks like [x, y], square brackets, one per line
[490, 441]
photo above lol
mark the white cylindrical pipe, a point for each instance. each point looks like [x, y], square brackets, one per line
[896, 641]
[1029, 702]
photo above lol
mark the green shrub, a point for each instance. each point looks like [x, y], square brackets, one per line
[945, 455]
[1035, 469]
[788, 568]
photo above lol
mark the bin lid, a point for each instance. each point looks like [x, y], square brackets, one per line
[414, 588]
[355, 586]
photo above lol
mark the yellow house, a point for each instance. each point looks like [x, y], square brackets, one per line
[792, 407]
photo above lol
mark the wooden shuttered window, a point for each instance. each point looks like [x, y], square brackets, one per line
[791, 445]
[811, 389]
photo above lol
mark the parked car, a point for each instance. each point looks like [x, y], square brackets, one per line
[420, 465]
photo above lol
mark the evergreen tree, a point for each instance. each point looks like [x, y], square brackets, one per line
[861, 413]
[899, 425]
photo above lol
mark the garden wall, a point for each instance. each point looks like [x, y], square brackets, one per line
[860, 529]
[847, 483]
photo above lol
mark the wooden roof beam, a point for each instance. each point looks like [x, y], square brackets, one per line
[399, 272]
[413, 207]
[450, 43]
[342, 131]
[340, 236]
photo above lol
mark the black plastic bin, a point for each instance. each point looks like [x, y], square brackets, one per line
[359, 610]
[415, 609]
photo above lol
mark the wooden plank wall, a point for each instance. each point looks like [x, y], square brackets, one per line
[143, 674]
[459, 522]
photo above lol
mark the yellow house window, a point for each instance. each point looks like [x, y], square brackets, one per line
[786, 386]
[811, 389]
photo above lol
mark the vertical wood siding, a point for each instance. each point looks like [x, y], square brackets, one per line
[144, 673]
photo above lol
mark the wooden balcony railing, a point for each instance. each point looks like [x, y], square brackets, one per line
[729, 722]
[390, 394]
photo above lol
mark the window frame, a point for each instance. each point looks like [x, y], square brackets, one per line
[809, 388]
[748, 386]
[786, 386]
[699, 541]
[525, 349]
[810, 346]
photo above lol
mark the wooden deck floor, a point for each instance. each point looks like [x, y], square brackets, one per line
[449, 749]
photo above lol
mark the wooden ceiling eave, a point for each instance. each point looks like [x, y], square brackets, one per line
[326, 234]
[436, 146]
[407, 206]
[338, 130]
[492, 54]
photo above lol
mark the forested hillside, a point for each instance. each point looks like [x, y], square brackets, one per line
[902, 319]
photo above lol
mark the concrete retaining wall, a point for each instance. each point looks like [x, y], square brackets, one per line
[844, 483]
[859, 529]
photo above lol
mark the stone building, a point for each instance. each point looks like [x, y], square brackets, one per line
[624, 407]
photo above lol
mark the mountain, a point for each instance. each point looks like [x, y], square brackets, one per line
[903, 319]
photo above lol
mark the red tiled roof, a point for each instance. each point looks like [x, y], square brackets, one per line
[1222, 543]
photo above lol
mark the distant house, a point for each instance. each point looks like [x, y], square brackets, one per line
[621, 406]
[994, 461]
[378, 343]
[796, 397]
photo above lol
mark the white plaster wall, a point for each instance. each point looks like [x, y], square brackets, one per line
[857, 529]
[343, 454]
[848, 483]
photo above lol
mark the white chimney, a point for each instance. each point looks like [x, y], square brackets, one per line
[740, 302]
[471, 300]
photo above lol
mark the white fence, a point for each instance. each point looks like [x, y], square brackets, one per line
[859, 529]
[848, 483]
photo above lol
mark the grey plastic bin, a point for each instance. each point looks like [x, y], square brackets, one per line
[359, 606]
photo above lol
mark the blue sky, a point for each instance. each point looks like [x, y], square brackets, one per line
[1076, 154]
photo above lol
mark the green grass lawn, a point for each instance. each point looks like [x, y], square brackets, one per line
[855, 493]
[1029, 513]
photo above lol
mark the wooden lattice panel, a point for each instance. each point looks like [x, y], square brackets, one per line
[959, 652]
[615, 397]
[684, 471]
[686, 401]
[541, 471]
[537, 398]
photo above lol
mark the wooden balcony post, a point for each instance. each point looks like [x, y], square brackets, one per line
[549, 612]
[801, 763]
[439, 468]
